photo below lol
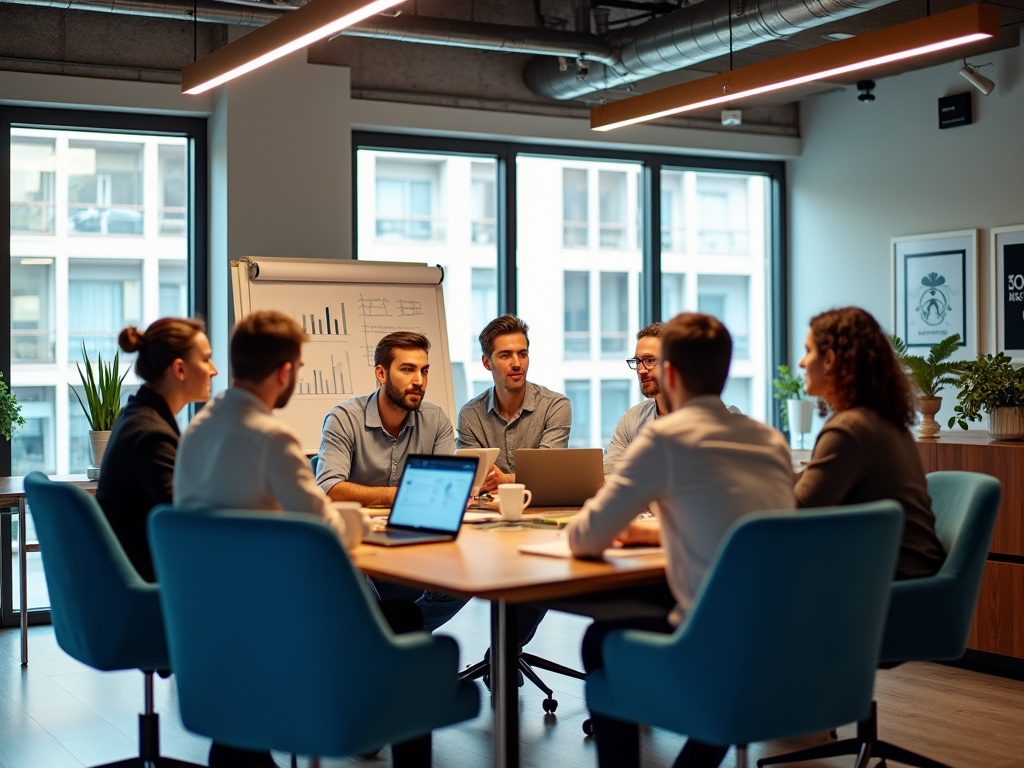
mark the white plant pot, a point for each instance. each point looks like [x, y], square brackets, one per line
[99, 442]
[1006, 424]
[801, 413]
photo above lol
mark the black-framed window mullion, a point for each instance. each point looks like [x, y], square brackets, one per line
[508, 298]
[650, 293]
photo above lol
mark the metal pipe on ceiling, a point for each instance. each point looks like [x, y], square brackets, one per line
[689, 36]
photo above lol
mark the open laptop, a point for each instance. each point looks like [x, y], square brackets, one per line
[560, 477]
[430, 501]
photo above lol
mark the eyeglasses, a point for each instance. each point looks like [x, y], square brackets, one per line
[649, 362]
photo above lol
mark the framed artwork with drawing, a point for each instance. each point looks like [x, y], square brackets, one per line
[1007, 254]
[935, 290]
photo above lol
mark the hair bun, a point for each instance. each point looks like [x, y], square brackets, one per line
[131, 339]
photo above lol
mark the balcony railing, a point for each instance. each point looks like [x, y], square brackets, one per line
[33, 218]
[614, 343]
[33, 346]
[577, 345]
[574, 234]
[96, 343]
[484, 231]
[411, 228]
[94, 219]
[173, 221]
[722, 240]
[612, 236]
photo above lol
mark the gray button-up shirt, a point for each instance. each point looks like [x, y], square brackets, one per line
[355, 447]
[542, 422]
[626, 430]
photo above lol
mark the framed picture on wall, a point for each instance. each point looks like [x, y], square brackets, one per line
[1008, 277]
[935, 290]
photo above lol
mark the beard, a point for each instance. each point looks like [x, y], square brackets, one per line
[399, 398]
[653, 390]
[284, 397]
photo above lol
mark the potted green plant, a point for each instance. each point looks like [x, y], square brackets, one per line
[102, 402]
[929, 375]
[991, 385]
[797, 411]
[10, 411]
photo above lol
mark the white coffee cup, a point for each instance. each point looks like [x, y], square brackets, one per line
[513, 498]
[356, 524]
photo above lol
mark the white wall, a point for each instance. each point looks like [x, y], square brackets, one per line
[871, 172]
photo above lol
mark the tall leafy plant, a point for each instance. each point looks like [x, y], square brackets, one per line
[10, 411]
[787, 387]
[986, 384]
[930, 374]
[102, 391]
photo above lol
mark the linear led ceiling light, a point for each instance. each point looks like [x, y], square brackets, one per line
[294, 30]
[915, 38]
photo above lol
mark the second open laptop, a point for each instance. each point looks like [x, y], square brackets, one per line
[430, 501]
[560, 477]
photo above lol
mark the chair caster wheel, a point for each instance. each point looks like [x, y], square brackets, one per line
[834, 733]
[550, 705]
[588, 727]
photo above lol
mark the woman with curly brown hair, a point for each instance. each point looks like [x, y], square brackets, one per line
[866, 452]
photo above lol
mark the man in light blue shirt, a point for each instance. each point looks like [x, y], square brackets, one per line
[366, 441]
[644, 361]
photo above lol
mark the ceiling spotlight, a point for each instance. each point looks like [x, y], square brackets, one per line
[865, 87]
[982, 83]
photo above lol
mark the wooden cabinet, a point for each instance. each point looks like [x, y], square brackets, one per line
[999, 619]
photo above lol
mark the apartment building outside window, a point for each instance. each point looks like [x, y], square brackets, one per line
[579, 264]
[101, 236]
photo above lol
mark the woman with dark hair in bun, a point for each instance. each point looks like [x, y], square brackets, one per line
[174, 361]
[866, 452]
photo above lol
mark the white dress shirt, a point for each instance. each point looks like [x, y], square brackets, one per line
[699, 469]
[237, 455]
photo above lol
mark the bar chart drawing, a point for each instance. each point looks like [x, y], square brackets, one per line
[325, 325]
[407, 307]
[326, 381]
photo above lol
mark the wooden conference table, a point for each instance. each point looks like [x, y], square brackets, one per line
[12, 496]
[486, 563]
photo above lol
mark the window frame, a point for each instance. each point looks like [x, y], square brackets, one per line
[197, 240]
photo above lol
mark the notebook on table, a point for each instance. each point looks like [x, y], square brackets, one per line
[560, 477]
[430, 501]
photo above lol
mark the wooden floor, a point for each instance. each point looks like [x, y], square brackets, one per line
[59, 713]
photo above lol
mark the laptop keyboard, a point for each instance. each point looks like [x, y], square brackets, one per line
[405, 534]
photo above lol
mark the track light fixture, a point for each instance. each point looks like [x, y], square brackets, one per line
[961, 26]
[865, 87]
[982, 83]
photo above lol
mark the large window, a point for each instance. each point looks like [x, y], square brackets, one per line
[102, 234]
[410, 203]
[557, 235]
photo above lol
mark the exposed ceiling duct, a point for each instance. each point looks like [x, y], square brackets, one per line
[490, 37]
[680, 39]
[207, 12]
[689, 36]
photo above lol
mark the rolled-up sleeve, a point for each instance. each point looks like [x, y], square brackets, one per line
[337, 443]
[290, 477]
[444, 442]
[643, 476]
[557, 424]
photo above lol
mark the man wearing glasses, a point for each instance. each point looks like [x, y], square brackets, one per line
[644, 361]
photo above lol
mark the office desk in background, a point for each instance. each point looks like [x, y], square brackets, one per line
[486, 563]
[12, 496]
[999, 617]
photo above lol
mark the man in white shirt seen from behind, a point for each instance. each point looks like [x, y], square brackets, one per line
[237, 455]
[699, 468]
[645, 362]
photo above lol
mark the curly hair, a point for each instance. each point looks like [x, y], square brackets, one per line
[866, 372]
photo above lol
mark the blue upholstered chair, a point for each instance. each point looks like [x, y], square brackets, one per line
[278, 644]
[103, 613]
[929, 619]
[782, 639]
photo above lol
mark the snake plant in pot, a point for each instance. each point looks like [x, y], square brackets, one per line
[102, 404]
